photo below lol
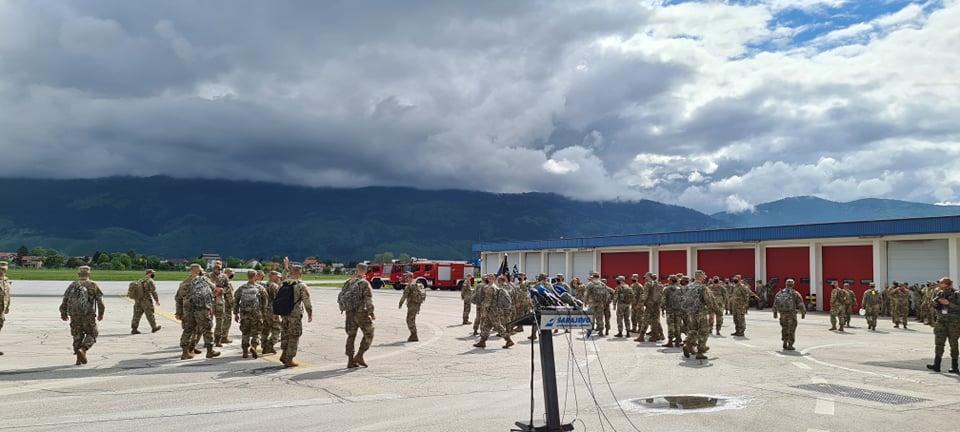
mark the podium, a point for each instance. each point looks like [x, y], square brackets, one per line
[548, 320]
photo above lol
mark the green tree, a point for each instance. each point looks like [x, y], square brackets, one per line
[327, 270]
[74, 262]
[22, 251]
[404, 257]
[234, 262]
[53, 259]
[383, 257]
[151, 262]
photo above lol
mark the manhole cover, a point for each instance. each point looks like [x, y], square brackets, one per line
[683, 404]
[859, 393]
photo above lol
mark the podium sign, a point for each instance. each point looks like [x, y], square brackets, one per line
[559, 320]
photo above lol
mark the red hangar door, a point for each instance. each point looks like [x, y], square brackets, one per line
[790, 263]
[852, 264]
[672, 262]
[727, 263]
[613, 264]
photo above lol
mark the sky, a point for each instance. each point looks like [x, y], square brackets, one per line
[716, 106]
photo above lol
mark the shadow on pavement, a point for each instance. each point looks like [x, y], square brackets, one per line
[320, 375]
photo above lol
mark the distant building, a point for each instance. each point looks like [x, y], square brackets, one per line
[209, 258]
[176, 262]
[32, 261]
[314, 266]
[337, 265]
[10, 257]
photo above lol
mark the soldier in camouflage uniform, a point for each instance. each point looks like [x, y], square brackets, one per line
[786, 304]
[521, 302]
[947, 327]
[270, 331]
[5, 292]
[652, 306]
[839, 302]
[251, 310]
[928, 304]
[639, 298]
[851, 304]
[359, 319]
[579, 289]
[698, 301]
[413, 294]
[194, 299]
[222, 304]
[672, 301]
[597, 294]
[491, 314]
[82, 305]
[466, 294]
[899, 305]
[291, 325]
[720, 295]
[872, 305]
[740, 301]
[144, 304]
[622, 300]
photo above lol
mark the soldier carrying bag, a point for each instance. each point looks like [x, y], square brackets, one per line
[502, 299]
[350, 297]
[785, 301]
[81, 303]
[284, 303]
[135, 290]
[249, 299]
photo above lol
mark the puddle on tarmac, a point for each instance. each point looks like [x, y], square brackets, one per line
[685, 404]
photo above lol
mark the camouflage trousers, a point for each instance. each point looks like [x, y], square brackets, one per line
[835, 316]
[356, 321]
[651, 320]
[636, 316]
[1, 320]
[872, 314]
[270, 332]
[291, 328]
[946, 331]
[222, 315]
[196, 324]
[466, 311]
[491, 321]
[412, 311]
[923, 314]
[674, 326]
[84, 331]
[623, 318]
[597, 312]
[931, 316]
[477, 320]
[606, 317]
[845, 313]
[716, 319]
[788, 327]
[140, 309]
[900, 312]
[698, 331]
[740, 318]
[250, 327]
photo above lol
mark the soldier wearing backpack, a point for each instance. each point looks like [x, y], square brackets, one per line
[491, 304]
[222, 304]
[194, 300]
[4, 294]
[143, 293]
[787, 303]
[622, 301]
[413, 294]
[270, 333]
[293, 298]
[697, 303]
[250, 310]
[466, 294]
[82, 305]
[597, 295]
[356, 302]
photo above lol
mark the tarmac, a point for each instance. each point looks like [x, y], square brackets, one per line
[853, 381]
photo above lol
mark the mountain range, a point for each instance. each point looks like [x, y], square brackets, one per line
[186, 217]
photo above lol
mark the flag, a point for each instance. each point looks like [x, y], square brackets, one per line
[504, 268]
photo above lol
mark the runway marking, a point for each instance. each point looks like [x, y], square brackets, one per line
[818, 380]
[745, 344]
[824, 407]
[817, 430]
[802, 365]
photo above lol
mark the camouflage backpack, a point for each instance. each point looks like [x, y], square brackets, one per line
[674, 298]
[785, 301]
[81, 302]
[477, 296]
[418, 294]
[692, 299]
[201, 294]
[249, 298]
[502, 299]
[135, 290]
[350, 297]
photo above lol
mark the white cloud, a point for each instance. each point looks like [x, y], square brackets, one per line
[561, 167]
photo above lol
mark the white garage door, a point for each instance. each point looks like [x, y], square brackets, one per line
[556, 263]
[531, 264]
[582, 265]
[916, 261]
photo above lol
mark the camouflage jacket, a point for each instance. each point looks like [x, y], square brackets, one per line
[672, 298]
[466, 291]
[623, 295]
[741, 295]
[5, 293]
[264, 308]
[301, 299]
[639, 294]
[653, 295]
[871, 300]
[94, 294]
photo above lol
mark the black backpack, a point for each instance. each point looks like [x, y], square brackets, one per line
[284, 303]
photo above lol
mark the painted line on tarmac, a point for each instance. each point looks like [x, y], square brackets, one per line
[803, 366]
[817, 430]
[818, 380]
[863, 372]
[825, 406]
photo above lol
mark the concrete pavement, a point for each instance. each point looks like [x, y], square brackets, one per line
[858, 381]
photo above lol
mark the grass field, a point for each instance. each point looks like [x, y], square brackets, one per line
[111, 275]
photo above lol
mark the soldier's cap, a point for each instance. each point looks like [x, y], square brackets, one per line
[621, 278]
[789, 282]
[150, 271]
[83, 270]
[653, 275]
[946, 281]
[251, 273]
[594, 274]
[196, 266]
[542, 276]
[521, 274]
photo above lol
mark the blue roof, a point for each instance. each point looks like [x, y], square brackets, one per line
[887, 227]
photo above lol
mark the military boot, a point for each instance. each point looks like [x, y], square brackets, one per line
[135, 331]
[351, 363]
[155, 329]
[790, 347]
[619, 335]
[359, 359]
[953, 366]
[290, 363]
[785, 344]
[246, 351]
[413, 337]
[268, 350]
[481, 344]
[82, 355]
[936, 363]
[78, 363]
[686, 351]
[187, 354]
[832, 328]
[509, 343]
[216, 342]
[253, 352]
[211, 353]
[701, 356]
[669, 344]
[226, 340]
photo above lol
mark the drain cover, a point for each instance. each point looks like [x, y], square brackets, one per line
[681, 404]
[859, 393]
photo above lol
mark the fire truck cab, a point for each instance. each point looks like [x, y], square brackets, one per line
[380, 274]
[435, 275]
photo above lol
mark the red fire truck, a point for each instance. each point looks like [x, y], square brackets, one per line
[381, 274]
[433, 274]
